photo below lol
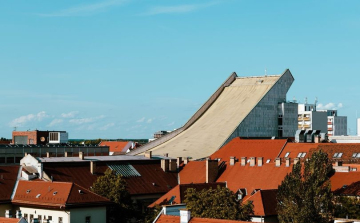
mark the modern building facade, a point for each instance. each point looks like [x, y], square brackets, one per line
[37, 137]
[310, 119]
[337, 125]
[242, 106]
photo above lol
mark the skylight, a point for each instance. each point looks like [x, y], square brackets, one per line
[37, 196]
[354, 155]
[337, 155]
[268, 161]
[358, 155]
[303, 155]
[287, 154]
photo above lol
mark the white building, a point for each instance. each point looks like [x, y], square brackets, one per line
[358, 126]
[337, 125]
[310, 119]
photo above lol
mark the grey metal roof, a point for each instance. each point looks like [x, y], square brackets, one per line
[127, 170]
[90, 158]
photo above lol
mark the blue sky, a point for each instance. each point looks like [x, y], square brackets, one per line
[128, 68]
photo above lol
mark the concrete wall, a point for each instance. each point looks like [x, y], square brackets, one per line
[340, 125]
[319, 121]
[262, 121]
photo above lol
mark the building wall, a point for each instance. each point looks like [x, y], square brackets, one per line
[289, 112]
[31, 136]
[96, 214]
[3, 208]
[45, 213]
[340, 125]
[358, 126]
[262, 121]
[319, 121]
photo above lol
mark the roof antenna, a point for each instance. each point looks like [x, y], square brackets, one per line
[306, 100]
[265, 72]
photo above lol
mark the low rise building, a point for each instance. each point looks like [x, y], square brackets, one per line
[37, 137]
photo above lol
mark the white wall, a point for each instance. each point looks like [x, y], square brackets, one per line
[45, 213]
[358, 127]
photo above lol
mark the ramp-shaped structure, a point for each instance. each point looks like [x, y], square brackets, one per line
[242, 106]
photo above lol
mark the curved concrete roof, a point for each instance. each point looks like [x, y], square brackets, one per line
[223, 115]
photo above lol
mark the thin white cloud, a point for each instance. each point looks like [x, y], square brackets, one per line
[141, 120]
[178, 9]
[70, 114]
[85, 10]
[171, 123]
[55, 122]
[80, 121]
[329, 106]
[22, 120]
[149, 120]
[106, 127]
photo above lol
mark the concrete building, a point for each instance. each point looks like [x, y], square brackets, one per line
[37, 137]
[337, 125]
[242, 106]
[310, 119]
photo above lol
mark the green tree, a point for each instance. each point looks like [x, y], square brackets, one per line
[113, 187]
[305, 193]
[219, 203]
[347, 207]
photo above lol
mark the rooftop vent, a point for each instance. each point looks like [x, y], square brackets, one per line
[28, 191]
[55, 192]
[81, 192]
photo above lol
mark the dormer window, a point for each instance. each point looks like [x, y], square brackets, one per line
[301, 155]
[337, 155]
[354, 155]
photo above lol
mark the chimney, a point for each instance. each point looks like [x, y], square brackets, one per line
[48, 154]
[260, 161]
[8, 214]
[92, 167]
[172, 166]
[185, 216]
[252, 161]
[148, 154]
[165, 165]
[232, 161]
[287, 161]
[66, 154]
[212, 170]
[178, 162]
[186, 160]
[296, 160]
[243, 161]
[338, 163]
[277, 162]
[18, 214]
[81, 155]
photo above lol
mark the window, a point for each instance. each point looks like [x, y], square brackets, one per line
[60, 220]
[50, 218]
[303, 155]
[26, 217]
[337, 155]
[39, 218]
[87, 219]
[31, 217]
[287, 154]
[358, 155]
[268, 161]
[354, 155]
[299, 155]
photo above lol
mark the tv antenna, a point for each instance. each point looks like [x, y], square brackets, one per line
[265, 72]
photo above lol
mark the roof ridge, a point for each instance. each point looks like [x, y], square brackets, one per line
[91, 192]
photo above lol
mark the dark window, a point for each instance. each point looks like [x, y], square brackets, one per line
[87, 219]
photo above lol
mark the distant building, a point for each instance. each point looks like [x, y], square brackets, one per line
[118, 147]
[37, 137]
[310, 119]
[358, 126]
[336, 125]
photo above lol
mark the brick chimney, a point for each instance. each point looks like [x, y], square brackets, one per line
[92, 167]
[185, 216]
[232, 161]
[165, 165]
[287, 161]
[296, 160]
[178, 161]
[172, 165]
[81, 155]
[212, 170]
[252, 161]
[260, 161]
[48, 154]
[243, 161]
[148, 154]
[277, 162]
[186, 160]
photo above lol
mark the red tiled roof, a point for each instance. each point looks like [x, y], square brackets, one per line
[193, 172]
[8, 176]
[176, 219]
[338, 180]
[150, 172]
[295, 148]
[55, 194]
[179, 192]
[264, 202]
[350, 190]
[9, 220]
[266, 148]
[263, 177]
[116, 146]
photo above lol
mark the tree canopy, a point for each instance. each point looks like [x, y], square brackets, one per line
[305, 193]
[113, 187]
[219, 203]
